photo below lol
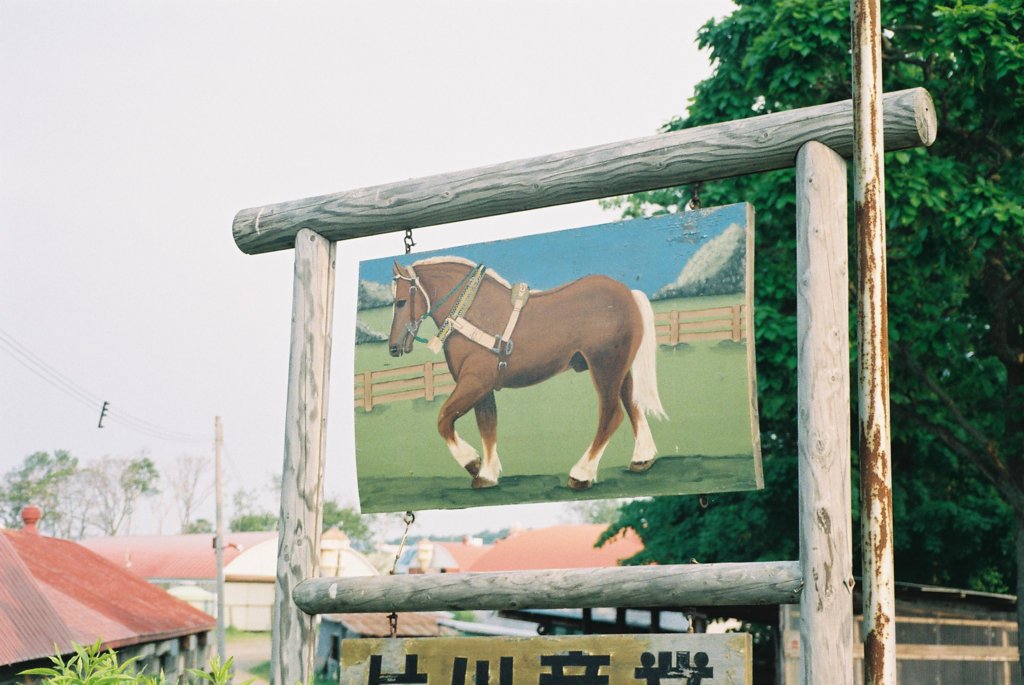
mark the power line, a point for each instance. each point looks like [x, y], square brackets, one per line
[34, 364]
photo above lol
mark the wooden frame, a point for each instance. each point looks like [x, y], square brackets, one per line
[733, 148]
[293, 647]
[698, 154]
[823, 399]
[776, 582]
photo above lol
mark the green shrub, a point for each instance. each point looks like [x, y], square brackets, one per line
[91, 666]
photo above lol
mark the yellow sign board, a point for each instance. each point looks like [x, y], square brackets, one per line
[664, 659]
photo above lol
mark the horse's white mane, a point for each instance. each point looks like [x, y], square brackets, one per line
[452, 259]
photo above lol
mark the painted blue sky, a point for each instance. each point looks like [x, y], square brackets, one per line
[645, 254]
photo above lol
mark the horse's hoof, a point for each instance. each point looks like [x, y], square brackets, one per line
[579, 484]
[640, 466]
[474, 468]
[480, 483]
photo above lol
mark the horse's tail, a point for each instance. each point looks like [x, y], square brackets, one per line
[644, 370]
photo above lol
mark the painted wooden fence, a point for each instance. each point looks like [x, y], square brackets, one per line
[431, 378]
[417, 382]
[719, 323]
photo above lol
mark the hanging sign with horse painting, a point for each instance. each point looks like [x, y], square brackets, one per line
[619, 357]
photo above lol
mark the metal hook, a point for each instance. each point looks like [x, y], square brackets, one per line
[694, 202]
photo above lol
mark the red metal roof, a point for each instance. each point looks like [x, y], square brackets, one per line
[56, 592]
[29, 625]
[558, 547]
[465, 554]
[173, 557]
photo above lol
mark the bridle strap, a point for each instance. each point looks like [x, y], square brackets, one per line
[413, 327]
[414, 281]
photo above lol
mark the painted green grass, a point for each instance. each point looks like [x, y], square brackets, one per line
[696, 474]
[705, 446]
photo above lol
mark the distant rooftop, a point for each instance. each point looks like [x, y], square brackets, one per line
[378, 625]
[570, 546]
[173, 557]
[248, 557]
[465, 553]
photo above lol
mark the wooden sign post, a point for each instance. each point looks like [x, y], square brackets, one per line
[704, 153]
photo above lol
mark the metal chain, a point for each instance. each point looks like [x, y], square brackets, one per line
[393, 623]
[694, 202]
[409, 242]
[408, 519]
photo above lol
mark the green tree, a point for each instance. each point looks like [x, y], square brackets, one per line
[249, 515]
[249, 522]
[198, 526]
[956, 273]
[44, 480]
[348, 521]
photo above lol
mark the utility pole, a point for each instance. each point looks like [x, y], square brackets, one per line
[218, 543]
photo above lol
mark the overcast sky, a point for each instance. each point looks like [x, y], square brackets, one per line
[131, 132]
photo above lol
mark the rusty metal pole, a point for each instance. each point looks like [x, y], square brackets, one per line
[879, 630]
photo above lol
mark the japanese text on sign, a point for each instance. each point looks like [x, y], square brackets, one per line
[579, 660]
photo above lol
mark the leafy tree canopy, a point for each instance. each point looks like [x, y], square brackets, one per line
[250, 514]
[42, 479]
[98, 497]
[244, 523]
[348, 520]
[955, 225]
[198, 526]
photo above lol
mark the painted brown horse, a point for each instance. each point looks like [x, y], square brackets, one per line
[594, 323]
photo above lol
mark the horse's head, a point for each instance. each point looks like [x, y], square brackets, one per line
[410, 308]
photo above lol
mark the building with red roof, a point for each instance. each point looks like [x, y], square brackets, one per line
[569, 546]
[188, 562]
[466, 552]
[172, 559]
[55, 594]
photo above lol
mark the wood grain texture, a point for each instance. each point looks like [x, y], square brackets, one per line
[294, 635]
[704, 153]
[823, 423]
[777, 582]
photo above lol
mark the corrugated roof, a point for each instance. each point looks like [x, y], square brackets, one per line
[56, 592]
[377, 625]
[558, 547]
[173, 557]
[29, 625]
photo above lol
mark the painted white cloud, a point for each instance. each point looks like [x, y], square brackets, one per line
[717, 268]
